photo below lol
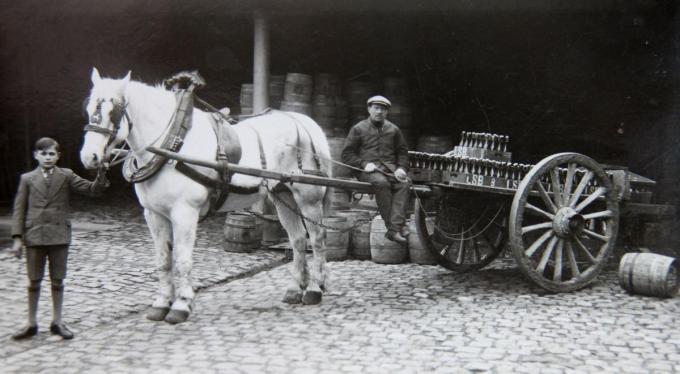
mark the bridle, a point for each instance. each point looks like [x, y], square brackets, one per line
[116, 116]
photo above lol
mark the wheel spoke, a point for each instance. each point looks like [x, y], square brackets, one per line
[597, 236]
[604, 213]
[475, 253]
[535, 209]
[538, 243]
[579, 189]
[557, 191]
[599, 192]
[546, 198]
[572, 260]
[585, 250]
[557, 275]
[461, 252]
[546, 255]
[538, 226]
[568, 183]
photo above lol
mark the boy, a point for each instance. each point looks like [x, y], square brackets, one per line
[41, 224]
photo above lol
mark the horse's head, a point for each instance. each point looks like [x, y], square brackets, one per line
[106, 109]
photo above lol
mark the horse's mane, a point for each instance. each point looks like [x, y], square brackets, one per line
[155, 96]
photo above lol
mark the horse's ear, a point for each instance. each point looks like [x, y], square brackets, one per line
[95, 77]
[126, 80]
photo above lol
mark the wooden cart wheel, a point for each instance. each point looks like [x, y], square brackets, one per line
[468, 233]
[563, 222]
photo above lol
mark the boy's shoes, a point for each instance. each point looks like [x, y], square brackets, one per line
[61, 330]
[395, 237]
[25, 333]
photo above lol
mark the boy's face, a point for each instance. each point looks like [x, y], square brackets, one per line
[47, 158]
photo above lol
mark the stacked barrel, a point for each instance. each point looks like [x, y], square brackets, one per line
[297, 95]
[357, 94]
[246, 99]
[396, 89]
[276, 88]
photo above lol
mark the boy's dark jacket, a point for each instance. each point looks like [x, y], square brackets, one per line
[41, 213]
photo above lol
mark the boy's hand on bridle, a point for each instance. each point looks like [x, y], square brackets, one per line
[101, 178]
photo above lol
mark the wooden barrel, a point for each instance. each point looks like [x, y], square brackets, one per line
[361, 236]
[396, 87]
[410, 137]
[298, 88]
[357, 94]
[401, 115]
[649, 274]
[361, 242]
[341, 110]
[298, 107]
[337, 238]
[355, 219]
[434, 144]
[384, 251]
[335, 144]
[246, 98]
[276, 87]
[416, 252]
[323, 112]
[325, 84]
[241, 233]
[340, 198]
[351, 215]
[272, 230]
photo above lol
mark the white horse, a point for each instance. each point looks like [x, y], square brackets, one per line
[173, 202]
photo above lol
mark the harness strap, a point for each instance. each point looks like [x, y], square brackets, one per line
[298, 154]
[311, 143]
[263, 160]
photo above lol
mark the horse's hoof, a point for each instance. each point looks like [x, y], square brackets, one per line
[157, 314]
[311, 297]
[292, 297]
[176, 316]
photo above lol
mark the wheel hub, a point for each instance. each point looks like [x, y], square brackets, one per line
[568, 222]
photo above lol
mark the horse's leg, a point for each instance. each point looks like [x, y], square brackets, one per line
[161, 233]
[184, 221]
[296, 235]
[313, 210]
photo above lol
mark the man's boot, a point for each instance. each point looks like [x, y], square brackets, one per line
[395, 237]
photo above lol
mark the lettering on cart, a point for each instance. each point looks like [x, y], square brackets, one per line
[474, 179]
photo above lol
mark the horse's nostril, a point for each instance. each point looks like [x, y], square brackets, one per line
[94, 157]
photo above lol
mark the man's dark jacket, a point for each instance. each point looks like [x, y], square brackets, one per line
[382, 145]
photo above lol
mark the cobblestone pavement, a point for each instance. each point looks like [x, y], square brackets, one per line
[374, 318]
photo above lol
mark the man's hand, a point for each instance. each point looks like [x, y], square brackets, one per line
[401, 175]
[17, 247]
[370, 167]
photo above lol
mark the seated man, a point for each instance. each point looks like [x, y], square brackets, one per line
[377, 146]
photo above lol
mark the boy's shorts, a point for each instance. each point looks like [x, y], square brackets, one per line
[36, 257]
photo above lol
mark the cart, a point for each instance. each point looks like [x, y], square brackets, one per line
[560, 216]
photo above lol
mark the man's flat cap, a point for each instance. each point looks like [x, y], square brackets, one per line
[379, 100]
